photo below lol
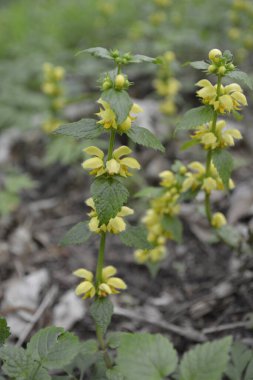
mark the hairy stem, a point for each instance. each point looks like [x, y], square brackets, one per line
[102, 344]
[100, 262]
[111, 144]
[209, 156]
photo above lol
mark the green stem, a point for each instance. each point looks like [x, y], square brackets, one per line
[102, 344]
[100, 262]
[209, 155]
[36, 371]
[111, 144]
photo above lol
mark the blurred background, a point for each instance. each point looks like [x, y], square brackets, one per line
[42, 184]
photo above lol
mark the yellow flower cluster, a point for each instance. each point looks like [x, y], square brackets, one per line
[109, 284]
[52, 87]
[108, 117]
[218, 137]
[159, 15]
[115, 166]
[197, 179]
[114, 226]
[231, 97]
[166, 85]
[166, 204]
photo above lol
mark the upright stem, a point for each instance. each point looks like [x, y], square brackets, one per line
[111, 144]
[209, 156]
[100, 262]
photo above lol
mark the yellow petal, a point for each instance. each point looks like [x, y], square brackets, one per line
[218, 220]
[94, 224]
[112, 166]
[84, 273]
[232, 88]
[105, 288]
[93, 163]
[136, 109]
[121, 151]
[203, 83]
[240, 98]
[89, 202]
[117, 283]
[84, 287]
[94, 151]
[108, 271]
[125, 211]
[197, 166]
[116, 225]
[130, 162]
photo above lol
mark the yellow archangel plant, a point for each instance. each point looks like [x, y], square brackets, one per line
[214, 136]
[117, 115]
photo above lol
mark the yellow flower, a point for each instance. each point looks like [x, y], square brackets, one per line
[118, 165]
[208, 92]
[236, 93]
[226, 136]
[168, 178]
[209, 184]
[218, 220]
[107, 116]
[59, 73]
[126, 125]
[95, 164]
[51, 125]
[224, 104]
[87, 287]
[110, 284]
[114, 226]
[50, 88]
[150, 255]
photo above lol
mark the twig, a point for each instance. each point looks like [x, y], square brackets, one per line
[227, 326]
[188, 333]
[48, 299]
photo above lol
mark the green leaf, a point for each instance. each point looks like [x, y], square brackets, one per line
[230, 235]
[223, 162]
[97, 52]
[138, 58]
[144, 137]
[8, 202]
[109, 195]
[101, 311]
[53, 347]
[199, 65]
[196, 117]
[146, 357]
[4, 330]
[78, 234]
[188, 144]
[241, 77]
[82, 129]
[135, 237]
[149, 192]
[85, 359]
[114, 374]
[241, 359]
[173, 225]
[228, 55]
[206, 361]
[119, 102]
[21, 366]
[16, 182]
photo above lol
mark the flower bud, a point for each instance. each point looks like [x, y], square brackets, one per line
[119, 82]
[214, 55]
[212, 68]
[231, 66]
[106, 85]
[222, 70]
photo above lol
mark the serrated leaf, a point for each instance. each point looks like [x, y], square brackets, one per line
[206, 361]
[97, 52]
[199, 65]
[135, 237]
[228, 55]
[149, 192]
[241, 359]
[223, 162]
[4, 330]
[53, 347]
[229, 234]
[85, 359]
[109, 195]
[144, 137]
[78, 234]
[195, 117]
[120, 103]
[138, 58]
[241, 77]
[146, 357]
[82, 129]
[173, 225]
[101, 311]
[21, 366]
